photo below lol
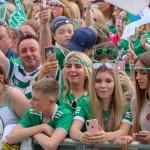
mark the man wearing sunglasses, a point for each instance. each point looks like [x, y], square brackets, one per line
[5, 39]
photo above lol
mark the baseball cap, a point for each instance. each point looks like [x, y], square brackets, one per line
[59, 21]
[82, 39]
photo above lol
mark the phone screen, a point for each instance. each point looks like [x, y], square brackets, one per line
[49, 51]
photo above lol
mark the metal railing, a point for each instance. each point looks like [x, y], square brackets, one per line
[69, 144]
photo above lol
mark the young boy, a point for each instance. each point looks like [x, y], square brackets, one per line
[45, 121]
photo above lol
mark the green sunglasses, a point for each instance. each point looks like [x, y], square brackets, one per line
[108, 51]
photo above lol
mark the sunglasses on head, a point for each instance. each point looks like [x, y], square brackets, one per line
[74, 104]
[56, 6]
[107, 51]
[106, 64]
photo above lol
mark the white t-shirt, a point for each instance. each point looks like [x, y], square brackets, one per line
[144, 115]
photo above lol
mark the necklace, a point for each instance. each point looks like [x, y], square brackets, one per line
[2, 89]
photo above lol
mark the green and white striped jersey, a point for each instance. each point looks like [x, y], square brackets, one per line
[21, 79]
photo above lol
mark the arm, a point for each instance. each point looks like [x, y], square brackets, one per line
[88, 15]
[19, 102]
[50, 142]
[4, 60]
[23, 133]
[45, 33]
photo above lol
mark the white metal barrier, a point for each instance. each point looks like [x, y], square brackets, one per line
[69, 144]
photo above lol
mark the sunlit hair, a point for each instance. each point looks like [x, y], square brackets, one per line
[98, 16]
[4, 73]
[74, 10]
[33, 24]
[116, 105]
[66, 12]
[106, 45]
[144, 59]
[48, 87]
[89, 81]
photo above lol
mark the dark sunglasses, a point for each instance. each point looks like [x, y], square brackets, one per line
[108, 51]
[83, 17]
[56, 6]
[74, 104]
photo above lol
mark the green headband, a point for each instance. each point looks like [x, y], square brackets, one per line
[78, 60]
[100, 30]
[113, 60]
[141, 68]
[56, 1]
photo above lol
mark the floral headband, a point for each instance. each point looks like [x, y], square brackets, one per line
[58, 2]
[78, 60]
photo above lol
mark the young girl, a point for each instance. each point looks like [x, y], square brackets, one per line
[106, 105]
[140, 106]
[77, 77]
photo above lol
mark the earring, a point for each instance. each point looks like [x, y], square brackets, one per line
[86, 77]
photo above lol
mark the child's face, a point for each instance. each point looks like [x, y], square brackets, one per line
[38, 102]
[63, 34]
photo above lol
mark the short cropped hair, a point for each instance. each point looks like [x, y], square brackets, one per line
[48, 87]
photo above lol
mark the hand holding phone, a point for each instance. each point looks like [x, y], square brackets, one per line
[49, 51]
[92, 126]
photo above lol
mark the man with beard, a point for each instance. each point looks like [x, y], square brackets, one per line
[24, 76]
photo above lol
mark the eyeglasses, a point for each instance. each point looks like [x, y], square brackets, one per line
[3, 23]
[107, 64]
[56, 6]
[108, 51]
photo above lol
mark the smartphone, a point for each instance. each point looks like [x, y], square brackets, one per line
[92, 126]
[120, 66]
[141, 134]
[49, 51]
[77, 23]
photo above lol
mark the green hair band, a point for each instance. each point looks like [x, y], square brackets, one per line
[78, 60]
[100, 30]
[141, 68]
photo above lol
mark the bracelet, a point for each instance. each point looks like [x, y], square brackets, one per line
[79, 136]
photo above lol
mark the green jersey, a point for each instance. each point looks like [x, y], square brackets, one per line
[69, 99]
[61, 119]
[138, 48]
[21, 79]
[83, 113]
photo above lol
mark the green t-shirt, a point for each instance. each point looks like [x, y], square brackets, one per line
[61, 119]
[69, 100]
[83, 113]
[138, 48]
[16, 60]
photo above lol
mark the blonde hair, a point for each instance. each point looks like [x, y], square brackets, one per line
[89, 80]
[116, 105]
[74, 10]
[140, 93]
[98, 16]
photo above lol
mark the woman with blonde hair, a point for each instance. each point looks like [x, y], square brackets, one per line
[77, 80]
[106, 105]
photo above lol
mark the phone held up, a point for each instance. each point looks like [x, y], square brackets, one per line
[92, 126]
[120, 66]
[49, 51]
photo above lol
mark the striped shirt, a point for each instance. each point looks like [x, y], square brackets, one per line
[21, 79]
